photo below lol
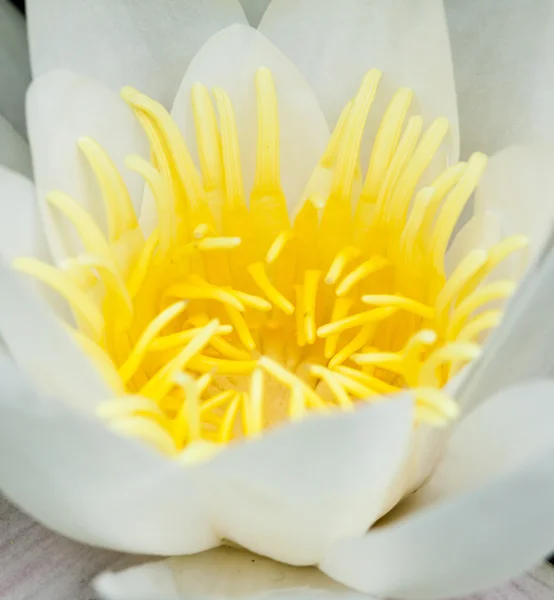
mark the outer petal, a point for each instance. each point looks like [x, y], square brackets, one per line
[21, 231]
[14, 150]
[290, 493]
[230, 60]
[72, 474]
[62, 107]
[15, 73]
[503, 54]
[335, 43]
[125, 42]
[221, 573]
[497, 518]
[519, 185]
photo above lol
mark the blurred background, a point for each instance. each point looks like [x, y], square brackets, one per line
[19, 3]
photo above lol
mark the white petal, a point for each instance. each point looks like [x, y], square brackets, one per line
[230, 60]
[73, 475]
[290, 493]
[62, 107]
[254, 10]
[220, 573]
[15, 73]
[335, 43]
[41, 347]
[499, 525]
[14, 150]
[36, 563]
[518, 184]
[503, 55]
[126, 42]
[21, 231]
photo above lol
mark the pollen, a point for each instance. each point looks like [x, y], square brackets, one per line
[238, 312]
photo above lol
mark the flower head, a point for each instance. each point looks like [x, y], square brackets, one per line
[287, 321]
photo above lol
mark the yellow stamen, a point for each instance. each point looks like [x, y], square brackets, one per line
[227, 308]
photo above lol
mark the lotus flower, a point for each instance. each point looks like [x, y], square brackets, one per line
[260, 313]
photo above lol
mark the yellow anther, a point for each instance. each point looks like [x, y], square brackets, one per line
[252, 301]
[290, 380]
[387, 360]
[218, 243]
[498, 290]
[140, 349]
[254, 403]
[352, 136]
[127, 406]
[347, 254]
[437, 400]
[357, 342]
[240, 326]
[174, 340]
[230, 150]
[370, 316]
[220, 366]
[79, 301]
[297, 405]
[454, 352]
[340, 310]
[162, 198]
[386, 142]
[144, 261]
[216, 401]
[311, 281]
[334, 384]
[225, 431]
[119, 208]
[452, 209]
[161, 383]
[203, 291]
[187, 424]
[259, 275]
[412, 306]
[277, 247]
[89, 232]
[480, 324]
[367, 268]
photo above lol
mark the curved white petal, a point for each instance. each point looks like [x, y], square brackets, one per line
[220, 573]
[335, 43]
[503, 54]
[290, 493]
[15, 72]
[61, 107]
[21, 232]
[518, 184]
[125, 42]
[72, 474]
[43, 350]
[14, 150]
[229, 60]
[496, 523]
[254, 10]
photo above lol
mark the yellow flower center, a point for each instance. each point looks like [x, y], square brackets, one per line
[234, 315]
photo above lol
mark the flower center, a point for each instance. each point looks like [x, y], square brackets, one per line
[232, 316]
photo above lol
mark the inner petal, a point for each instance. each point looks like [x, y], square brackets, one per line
[235, 315]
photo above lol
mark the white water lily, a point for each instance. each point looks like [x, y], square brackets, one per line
[190, 308]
